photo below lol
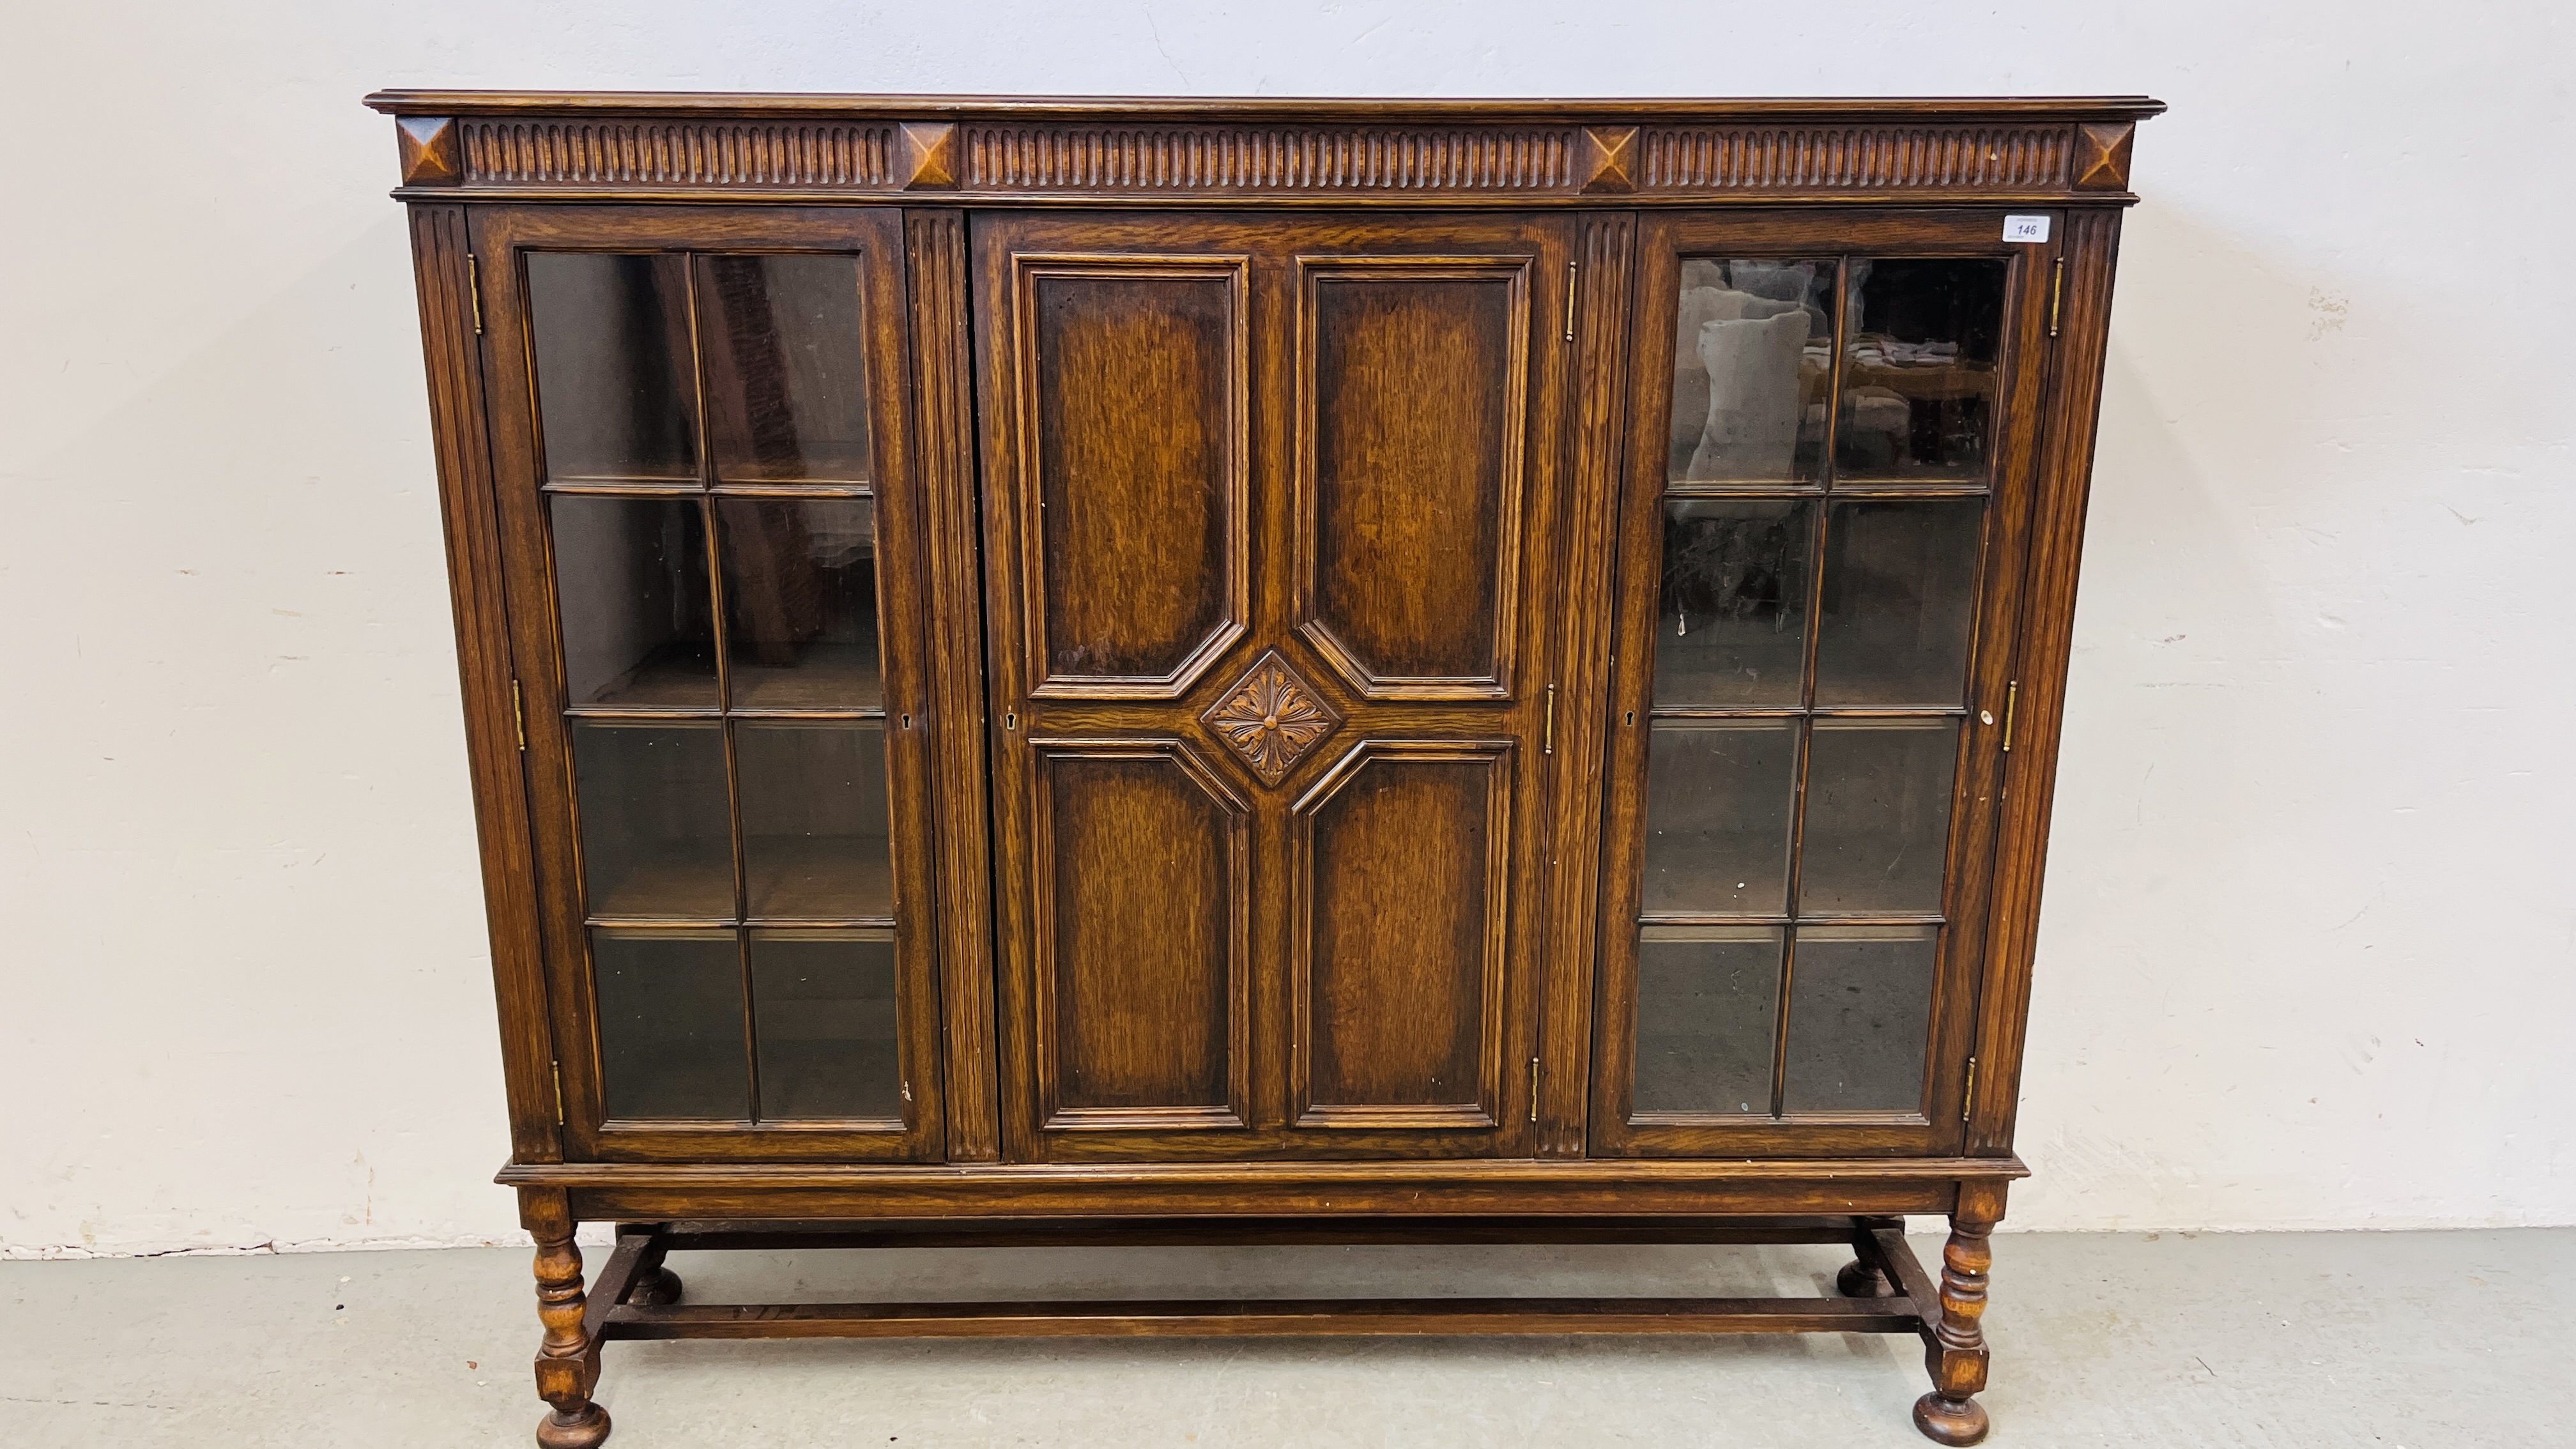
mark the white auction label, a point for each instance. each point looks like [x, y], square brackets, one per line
[2026, 228]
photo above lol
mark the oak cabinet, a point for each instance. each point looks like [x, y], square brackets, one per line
[1248, 671]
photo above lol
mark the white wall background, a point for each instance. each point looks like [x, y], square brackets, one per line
[2310, 951]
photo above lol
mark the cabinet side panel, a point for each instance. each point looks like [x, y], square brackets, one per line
[441, 260]
[2066, 473]
[935, 267]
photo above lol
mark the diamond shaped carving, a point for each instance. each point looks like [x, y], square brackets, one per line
[1271, 718]
[2102, 156]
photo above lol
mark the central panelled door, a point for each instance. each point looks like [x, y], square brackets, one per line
[1269, 506]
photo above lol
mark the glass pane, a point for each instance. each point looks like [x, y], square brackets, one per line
[1706, 998]
[670, 1024]
[787, 394]
[1919, 379]
[1717, 816]
[1752, 356]
[1878, 815]
[824, 1002]
[801, 602]
[614, 390]
[1860, 1012]
[638, 614]
[656, 838]
[1900, 602]
[814, 818]
[1732, 628]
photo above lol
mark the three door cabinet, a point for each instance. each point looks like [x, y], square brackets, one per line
[1131, 672]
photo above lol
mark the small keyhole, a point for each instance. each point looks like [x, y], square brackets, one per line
[907, 721]
[1632, 716]
[1010, 721]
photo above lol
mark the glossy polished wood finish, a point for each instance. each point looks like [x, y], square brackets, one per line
[1265, 503]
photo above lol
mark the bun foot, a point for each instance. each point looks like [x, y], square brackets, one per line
[1860, 1280]
[654, 1290]
[1950, 1421]
[585, 1430]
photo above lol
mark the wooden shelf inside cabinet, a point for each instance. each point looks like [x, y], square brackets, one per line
[1248, 671]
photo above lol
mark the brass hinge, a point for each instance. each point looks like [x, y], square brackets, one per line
[519, 715]
[1547, 741]
[559, 1111]
[2056, 295]
[1533, 1089]
[1569, 301]
[1968, 1093]
[474, 288]
[2012, 701]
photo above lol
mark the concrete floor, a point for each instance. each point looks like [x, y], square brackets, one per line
[2421, 1340]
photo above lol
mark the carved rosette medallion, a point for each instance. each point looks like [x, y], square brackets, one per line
[1271, 718]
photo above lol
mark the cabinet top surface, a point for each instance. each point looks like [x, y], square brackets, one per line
[1274, 108]
[1114, 150]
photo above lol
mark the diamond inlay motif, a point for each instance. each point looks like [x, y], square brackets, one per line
[1271, 718]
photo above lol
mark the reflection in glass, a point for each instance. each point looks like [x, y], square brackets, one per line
[631, 578]
[670, 1024]
[814, 818]
[1731, 626]
[1706, 1001]
[1899, 602]
[614, 389]
[1752, 357]
[1860, 1015]
[1878, 815]
[801, 602]
[786, 385]
[656, 838]
[824, 1005]
[1718, 794]
[1919, 377]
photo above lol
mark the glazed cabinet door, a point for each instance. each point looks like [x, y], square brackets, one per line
[714, 559]
[1269, 510]
[1830, 482]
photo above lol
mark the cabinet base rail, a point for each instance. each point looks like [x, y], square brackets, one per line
[1884, 1290]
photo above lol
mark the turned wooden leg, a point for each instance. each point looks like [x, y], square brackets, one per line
[1955, 1351]
[655, 1285]
[1860, 1278]
[566, 1363]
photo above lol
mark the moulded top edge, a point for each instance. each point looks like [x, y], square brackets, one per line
[1322, 109]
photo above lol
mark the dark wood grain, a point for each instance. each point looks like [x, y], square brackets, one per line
[1412, 376]
[1266, 529]
[1136, 571]
[944, 427]
[1412, 154]
[2065, 423]
[1435, 930]
[1400, 856]
[1141, 967]
[1263, 1318]
[440, 250]
[1597, 439]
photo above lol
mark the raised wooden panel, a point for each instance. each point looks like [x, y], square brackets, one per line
[1412, 377]
[1136, 464]
[1401, 912]
[1139, 864]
